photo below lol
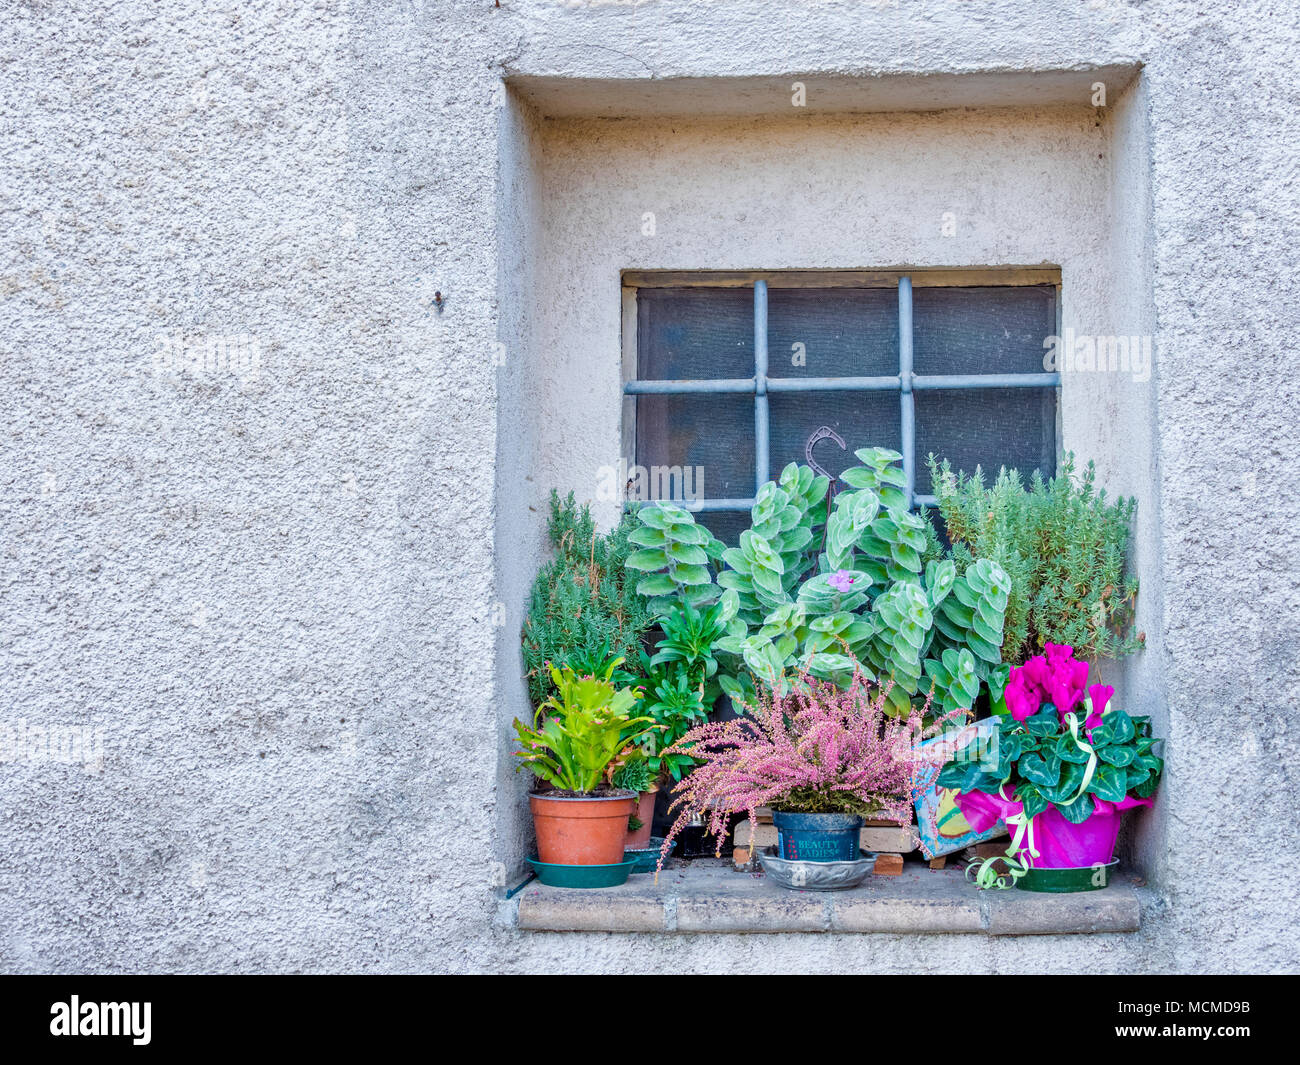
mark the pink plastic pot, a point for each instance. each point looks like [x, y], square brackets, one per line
[1060, 844]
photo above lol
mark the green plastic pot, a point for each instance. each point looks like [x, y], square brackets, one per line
[1081, 878]
[644, 859]
[582, 876]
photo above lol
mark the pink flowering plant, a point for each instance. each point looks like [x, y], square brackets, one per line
[815, 748]
[1061, 744]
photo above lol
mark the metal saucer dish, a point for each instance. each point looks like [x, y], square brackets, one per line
[816, 876]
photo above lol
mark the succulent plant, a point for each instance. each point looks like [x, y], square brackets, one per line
[773, 555]
[674, 553]
[804, 592]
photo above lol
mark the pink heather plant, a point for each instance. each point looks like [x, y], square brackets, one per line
[816, 749]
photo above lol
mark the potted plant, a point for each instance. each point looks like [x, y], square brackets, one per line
[681, 689]
[1063, 543]
[635, 776]
[584, 610]
[829, 584]
[823, 758]
[579, 739]
[1063, 771]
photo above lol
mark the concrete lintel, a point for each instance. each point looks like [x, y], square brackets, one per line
[709, 897]
[772, 96]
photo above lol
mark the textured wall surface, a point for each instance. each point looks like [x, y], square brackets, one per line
[286, 587]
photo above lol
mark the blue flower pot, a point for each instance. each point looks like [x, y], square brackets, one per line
[817, 837]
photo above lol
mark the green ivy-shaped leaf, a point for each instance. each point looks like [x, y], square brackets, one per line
[1117, 755]
[1116, 727]
[1044, 723]
[1032, 799]
[1071, 780]
[1109, 782]
[1042, 771]
[1069, 751]
[1078, 811]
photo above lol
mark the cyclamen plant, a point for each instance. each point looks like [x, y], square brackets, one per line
[814, 748]
[1058, 678]
[1060, 748]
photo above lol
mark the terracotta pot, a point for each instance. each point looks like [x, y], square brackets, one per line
[588, 831]
[645, 813]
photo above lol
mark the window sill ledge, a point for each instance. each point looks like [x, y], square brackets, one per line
[710, 897]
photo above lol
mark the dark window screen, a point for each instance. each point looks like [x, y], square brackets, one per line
[981, 330]
[715, 433]
[986, 427]
[707, 333]
[841, 332]
[686, 334]
[984, 331]
[863, 419]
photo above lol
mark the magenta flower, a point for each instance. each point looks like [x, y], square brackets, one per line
[1036, 673]
[1023, 699]
[1100, 695]
[1056, 677]
[841, 580]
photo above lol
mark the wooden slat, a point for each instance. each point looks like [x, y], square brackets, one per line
[955, 277]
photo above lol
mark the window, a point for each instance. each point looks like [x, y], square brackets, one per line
[731, 377]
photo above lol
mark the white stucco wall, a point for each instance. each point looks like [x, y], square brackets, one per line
[278, 596]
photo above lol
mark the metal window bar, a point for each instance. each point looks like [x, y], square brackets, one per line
[906, 383]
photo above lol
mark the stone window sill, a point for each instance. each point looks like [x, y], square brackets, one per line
[709, 896]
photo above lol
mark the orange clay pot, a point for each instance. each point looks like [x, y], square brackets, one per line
[588, 831]
[645, 813]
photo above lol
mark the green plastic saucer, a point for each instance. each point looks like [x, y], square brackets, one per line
[583, 876]
[1081, 878]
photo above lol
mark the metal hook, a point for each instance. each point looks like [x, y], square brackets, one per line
[824, 433]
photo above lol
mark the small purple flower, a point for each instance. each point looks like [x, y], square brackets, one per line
[841, 580]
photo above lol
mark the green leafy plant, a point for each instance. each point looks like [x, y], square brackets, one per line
[676, 706]
[822, 591]
[674, 554]
[865, 585]
[883, 538]
[689, 636]
[596, 660]
[584, 734]
[635, 775]
[584, 609]
[1064, 546]
[681, 679]
[773, 554]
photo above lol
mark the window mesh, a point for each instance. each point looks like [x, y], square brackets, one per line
[981, 330]
[686, 334]
[703, 333]
[843, 332]
[713, 432]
